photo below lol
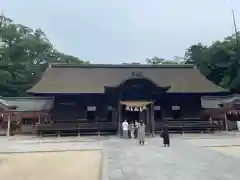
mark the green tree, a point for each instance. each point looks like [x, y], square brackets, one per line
[219, 62]
[24, 54]
[157, 60]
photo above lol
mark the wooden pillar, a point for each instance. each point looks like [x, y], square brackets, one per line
[119, 119]
[115, 118]
[152, 119]
[226, 121]
[9, 124]
[46, 119]
[148, 121]
[39, 119]
[19, 123]
[114, 114]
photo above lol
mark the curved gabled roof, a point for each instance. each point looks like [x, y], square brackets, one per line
[214, 102]
[94, 78]
[26, 104]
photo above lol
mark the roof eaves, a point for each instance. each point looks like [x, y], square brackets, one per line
[122, 66]
[26, 98]
[4, 104]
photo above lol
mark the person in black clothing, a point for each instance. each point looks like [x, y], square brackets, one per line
[165, 135]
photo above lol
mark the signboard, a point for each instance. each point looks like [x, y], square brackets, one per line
[109, 108]
[91, 108]
[137, 74]
[157, 108]
[175, 108]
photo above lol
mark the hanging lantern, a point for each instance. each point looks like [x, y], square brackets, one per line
[127, 108]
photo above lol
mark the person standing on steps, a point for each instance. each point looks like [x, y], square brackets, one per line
[141, 132]
[125, 129]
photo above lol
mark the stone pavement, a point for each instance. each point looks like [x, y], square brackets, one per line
[126, 160]
[188, 158]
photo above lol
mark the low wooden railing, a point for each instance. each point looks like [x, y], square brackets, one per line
[190, 125]
[82, 128]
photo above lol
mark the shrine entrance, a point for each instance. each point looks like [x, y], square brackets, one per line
[135, 111]
[136, 102]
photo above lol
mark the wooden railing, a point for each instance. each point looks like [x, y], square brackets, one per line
[189, 125]
[82, 128]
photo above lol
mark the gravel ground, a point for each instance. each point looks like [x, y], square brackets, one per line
[74, 165]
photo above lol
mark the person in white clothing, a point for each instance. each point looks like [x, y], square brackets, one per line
[238, 125]
[125, 129]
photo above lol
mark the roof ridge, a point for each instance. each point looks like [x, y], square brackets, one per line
[54, 65]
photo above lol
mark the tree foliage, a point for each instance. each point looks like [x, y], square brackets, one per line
[24, 54]
[219, 62]
[157, 60]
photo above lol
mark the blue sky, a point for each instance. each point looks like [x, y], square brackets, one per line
[117, 31]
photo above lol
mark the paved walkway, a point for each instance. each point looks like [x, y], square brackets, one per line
[187, 159]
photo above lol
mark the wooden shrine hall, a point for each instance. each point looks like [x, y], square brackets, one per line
[97, 98]
[20, 115]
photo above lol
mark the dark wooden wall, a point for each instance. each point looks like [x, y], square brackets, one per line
[190, 105]
[73, 107]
